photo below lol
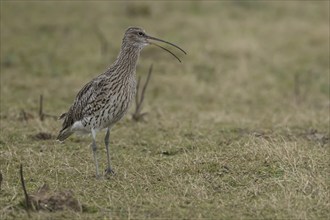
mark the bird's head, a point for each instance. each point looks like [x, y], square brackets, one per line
[137, 37]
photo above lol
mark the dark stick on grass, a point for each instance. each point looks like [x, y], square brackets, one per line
[1, 178]
[43, 115]
[137, 115]
[27, 200]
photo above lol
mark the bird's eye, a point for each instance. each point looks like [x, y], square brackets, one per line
[140, 33]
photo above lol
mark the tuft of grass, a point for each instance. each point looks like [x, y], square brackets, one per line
[239, 130]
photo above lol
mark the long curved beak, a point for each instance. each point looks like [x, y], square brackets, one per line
[157, 39]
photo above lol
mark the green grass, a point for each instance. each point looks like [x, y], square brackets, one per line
[239, 130]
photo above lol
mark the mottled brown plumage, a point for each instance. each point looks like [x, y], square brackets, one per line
[105, 99]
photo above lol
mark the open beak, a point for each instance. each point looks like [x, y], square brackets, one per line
[157, 39]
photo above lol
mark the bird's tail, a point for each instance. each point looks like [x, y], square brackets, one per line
[64, 134]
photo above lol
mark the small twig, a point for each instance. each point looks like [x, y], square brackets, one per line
[1, 178]
[139, 101]
[137, 98]
[43, 115]
[145, 86]
[27, 200]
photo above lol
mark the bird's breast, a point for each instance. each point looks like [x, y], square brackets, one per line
[118, 103]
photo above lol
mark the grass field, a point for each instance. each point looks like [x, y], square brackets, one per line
[239, 130]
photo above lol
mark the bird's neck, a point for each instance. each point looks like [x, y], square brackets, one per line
[127, 59]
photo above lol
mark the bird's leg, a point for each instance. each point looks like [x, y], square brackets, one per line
[107, 142]
[94, 148]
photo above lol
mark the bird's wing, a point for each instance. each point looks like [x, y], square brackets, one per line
[86, 102]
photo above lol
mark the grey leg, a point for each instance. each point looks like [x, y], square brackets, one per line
[107, 141]
[94, 148]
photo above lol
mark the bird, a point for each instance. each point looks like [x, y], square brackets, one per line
[103, 101]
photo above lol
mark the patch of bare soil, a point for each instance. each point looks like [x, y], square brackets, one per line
[46, 199]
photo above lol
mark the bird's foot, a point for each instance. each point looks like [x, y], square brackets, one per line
[98, 177]
[109, 171]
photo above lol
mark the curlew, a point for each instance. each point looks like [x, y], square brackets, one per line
[105, 99]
